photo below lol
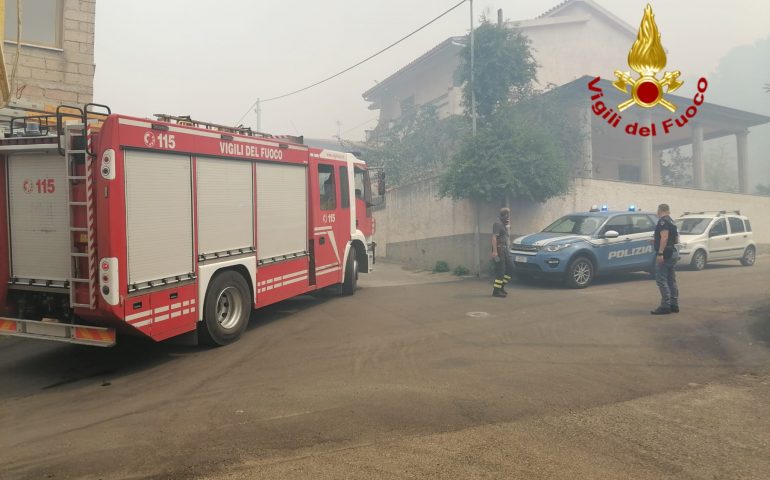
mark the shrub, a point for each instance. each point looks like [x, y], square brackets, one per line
[461, 271]
[441, 266]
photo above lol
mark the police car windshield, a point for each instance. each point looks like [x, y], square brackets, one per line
[692, 226]
[575, 224]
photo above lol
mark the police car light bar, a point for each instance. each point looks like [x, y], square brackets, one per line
[605, 208]
[633, 208]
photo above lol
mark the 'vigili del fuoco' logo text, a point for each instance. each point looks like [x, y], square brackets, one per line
[648, 90]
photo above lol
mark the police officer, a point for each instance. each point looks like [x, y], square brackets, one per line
[666, 237]
[500, 255]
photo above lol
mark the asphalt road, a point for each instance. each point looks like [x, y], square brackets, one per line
[417, 376]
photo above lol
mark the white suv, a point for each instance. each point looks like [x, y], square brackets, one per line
[715, 236]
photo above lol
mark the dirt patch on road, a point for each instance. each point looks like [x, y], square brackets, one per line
[759, 328]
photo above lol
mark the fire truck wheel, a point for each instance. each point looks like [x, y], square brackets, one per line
[226, 310]
[351, 274]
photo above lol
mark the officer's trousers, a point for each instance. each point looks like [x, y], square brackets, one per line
[503, 270]
[665, 278]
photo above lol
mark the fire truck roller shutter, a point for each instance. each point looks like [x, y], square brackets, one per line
[158, 216]
[225, 205]
[281, 209]
[38, 217]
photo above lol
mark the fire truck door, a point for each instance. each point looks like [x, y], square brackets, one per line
[330, 223]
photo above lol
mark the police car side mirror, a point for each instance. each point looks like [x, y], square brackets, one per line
[611, 234]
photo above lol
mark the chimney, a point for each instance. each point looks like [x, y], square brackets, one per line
[499, 17]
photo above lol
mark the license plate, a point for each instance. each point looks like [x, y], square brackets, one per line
[520, 259]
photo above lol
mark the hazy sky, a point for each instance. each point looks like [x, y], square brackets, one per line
[211, 60]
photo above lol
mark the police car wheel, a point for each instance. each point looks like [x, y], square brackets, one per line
[749, 256]
[580, 273]
[698, 261]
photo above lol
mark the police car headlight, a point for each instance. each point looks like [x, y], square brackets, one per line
[556, 248]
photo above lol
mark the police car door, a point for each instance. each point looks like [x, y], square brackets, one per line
[628, 249]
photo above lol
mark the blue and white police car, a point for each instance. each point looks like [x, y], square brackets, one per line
[580, 246]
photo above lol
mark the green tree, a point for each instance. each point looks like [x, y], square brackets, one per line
[676, 168]
[525, 152]
[504, 68]
[416, 146]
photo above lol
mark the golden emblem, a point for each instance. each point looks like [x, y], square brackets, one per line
[647, 57]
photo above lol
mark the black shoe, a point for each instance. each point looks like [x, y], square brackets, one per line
[498, 293]
[674, 308]
[661, 311]
[504, 292]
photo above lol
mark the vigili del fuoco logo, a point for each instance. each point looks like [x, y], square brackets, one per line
[647, 90]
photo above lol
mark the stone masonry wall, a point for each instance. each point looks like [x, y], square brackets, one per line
[47, 77]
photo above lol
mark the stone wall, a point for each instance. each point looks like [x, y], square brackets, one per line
[47, 77]
[418, 228]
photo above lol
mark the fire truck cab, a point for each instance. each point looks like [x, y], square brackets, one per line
[164, 227]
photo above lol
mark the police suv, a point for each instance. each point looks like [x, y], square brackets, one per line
[580, 246]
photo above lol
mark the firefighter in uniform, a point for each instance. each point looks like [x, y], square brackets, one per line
[500, 255]
[666, 238]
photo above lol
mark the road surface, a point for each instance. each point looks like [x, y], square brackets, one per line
[417, 376]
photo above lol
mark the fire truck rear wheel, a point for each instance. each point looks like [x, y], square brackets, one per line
[226, 309]
[351, 274]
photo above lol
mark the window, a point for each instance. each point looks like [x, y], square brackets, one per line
[642, 224]
[719, 228]
[748, 225]
[363, 189]
[621, 224]
[692, 226]
[344, 188]
[629, 173]
[736, 225]
[41, 22]
[575, 224]
[326, 188]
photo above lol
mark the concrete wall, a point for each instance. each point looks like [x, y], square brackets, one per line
[419, 228]
[48, 76]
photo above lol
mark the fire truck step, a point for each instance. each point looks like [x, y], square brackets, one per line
[78, 204]
[79, 280]
[77, 177]
[78, 229]
[78, 254]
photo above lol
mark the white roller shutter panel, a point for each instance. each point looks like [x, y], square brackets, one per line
[39, 221]
[281, 209]
[158, 216]
[225, 205]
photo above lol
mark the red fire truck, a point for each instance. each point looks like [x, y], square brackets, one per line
[113, 224]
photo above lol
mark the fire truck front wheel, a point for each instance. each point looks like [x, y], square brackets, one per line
[226, 309]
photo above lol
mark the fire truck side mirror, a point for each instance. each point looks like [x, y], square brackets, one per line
[381, 183]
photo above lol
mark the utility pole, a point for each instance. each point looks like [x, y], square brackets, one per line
[473, 90]
[477, 232]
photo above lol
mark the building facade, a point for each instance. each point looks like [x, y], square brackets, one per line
[55, 63]
[570, 40]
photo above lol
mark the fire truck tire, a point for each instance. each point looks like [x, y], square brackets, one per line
[226, 309]
[351, 274]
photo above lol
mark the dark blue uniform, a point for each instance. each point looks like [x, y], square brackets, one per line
[665, 275]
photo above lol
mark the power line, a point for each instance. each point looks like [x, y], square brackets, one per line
[352, 66]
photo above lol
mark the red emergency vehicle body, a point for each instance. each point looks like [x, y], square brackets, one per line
[185, 228]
